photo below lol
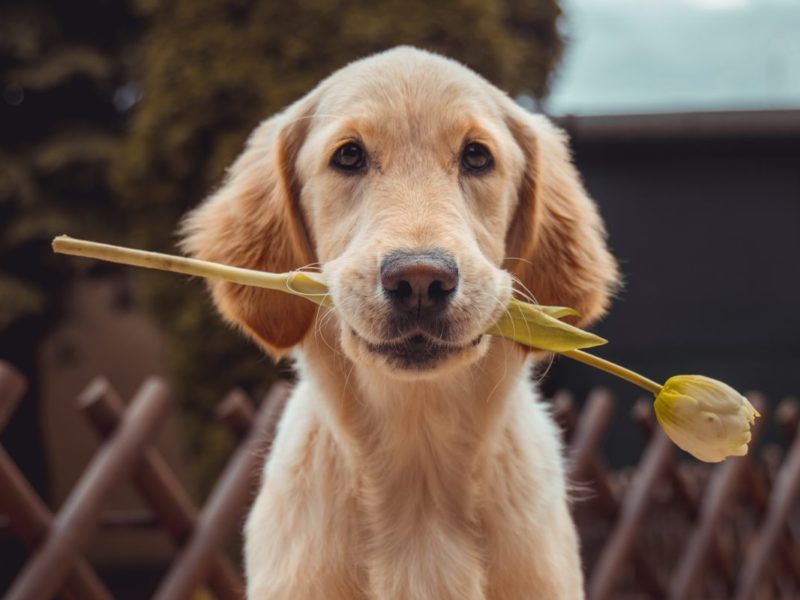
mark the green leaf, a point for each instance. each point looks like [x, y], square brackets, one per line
[558, 312]
[533, 325]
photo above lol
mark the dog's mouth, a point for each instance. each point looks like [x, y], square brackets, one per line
[416, 351]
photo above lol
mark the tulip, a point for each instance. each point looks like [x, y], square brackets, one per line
[705, 417]
[702, 416]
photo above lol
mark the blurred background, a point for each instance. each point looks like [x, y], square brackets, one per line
[118, 116]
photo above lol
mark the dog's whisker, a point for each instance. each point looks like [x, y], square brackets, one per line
[314, 267]
[550, 362]
[505, 354]
[551, 358]
[525, 260]
[319, 332]
[525, 293]
[346, 385]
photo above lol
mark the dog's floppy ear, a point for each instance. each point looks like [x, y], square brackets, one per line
[254, 221]
[557, 234]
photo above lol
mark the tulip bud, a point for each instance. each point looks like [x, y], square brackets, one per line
[705, 417]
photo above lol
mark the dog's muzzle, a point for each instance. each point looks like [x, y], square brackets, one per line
[418, 287]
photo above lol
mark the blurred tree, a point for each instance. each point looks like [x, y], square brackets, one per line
[61, 119]
[212, 69]
[62, 123]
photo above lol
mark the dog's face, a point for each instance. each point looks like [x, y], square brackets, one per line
[408, 189]
[423, 192]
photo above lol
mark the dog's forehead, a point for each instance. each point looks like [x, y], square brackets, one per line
[406, 85]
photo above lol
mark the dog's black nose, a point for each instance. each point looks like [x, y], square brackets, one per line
[419, 281]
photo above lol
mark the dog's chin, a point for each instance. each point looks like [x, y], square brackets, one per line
[416, 356]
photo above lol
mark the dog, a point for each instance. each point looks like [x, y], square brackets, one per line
[414, 459]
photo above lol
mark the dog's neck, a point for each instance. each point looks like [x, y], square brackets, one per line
[379, 411]
[431, 434]
[418, 456]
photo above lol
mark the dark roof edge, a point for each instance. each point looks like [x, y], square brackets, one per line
[766, 124]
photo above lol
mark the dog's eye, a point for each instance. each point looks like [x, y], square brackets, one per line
[350, 157]
[476, 158]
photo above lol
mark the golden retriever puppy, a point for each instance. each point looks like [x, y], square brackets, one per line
[414, 460]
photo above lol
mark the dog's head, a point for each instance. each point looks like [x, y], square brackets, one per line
[425, 195]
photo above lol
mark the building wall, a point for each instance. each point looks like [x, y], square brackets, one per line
[707, 232]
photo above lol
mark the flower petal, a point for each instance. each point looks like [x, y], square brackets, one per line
[705, 417]
[530, 325]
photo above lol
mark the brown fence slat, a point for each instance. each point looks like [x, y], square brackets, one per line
[642, 412]
[227, 504]
[761, 551]
[44, 574]
[613, 558]
[769, 490]
[644, 415]
[760, 485]
[12, 388]
[725, 480]
[159, 485]
[589, 431]
[585, 464]
[583, 453]
[237, 411]
[28, 517]
[30, 520]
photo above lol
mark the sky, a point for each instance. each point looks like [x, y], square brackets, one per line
[634, 56]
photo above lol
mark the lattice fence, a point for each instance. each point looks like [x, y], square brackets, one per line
[667, 528]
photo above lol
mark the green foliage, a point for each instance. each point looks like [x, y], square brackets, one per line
[60, 130]
[207, 71]
[212, 69]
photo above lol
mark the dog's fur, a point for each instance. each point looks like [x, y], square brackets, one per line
[443, 482]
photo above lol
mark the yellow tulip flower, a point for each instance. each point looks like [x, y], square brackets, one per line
[703, 416]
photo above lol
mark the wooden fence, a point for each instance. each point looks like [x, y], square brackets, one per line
[666, 528]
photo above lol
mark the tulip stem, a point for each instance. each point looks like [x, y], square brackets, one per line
[295, 282]
[615, 369]
[165, 262]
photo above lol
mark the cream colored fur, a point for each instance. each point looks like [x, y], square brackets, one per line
[388, 483]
